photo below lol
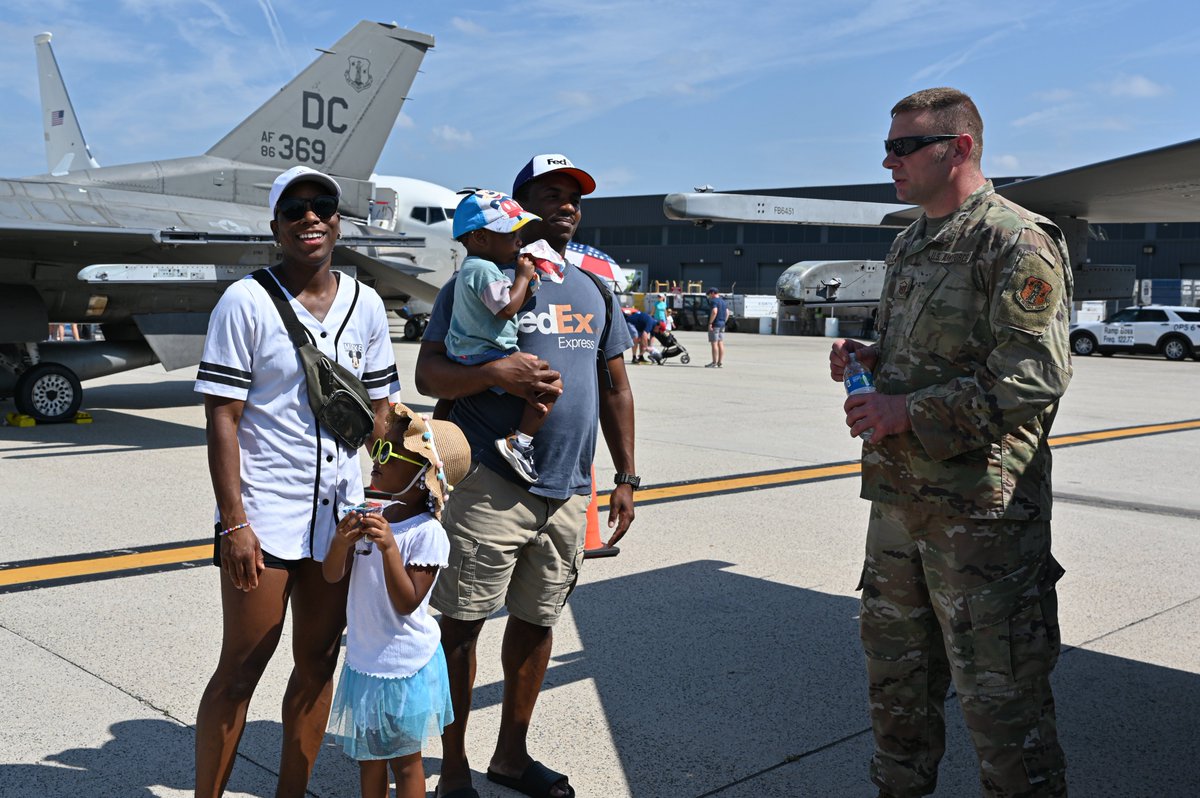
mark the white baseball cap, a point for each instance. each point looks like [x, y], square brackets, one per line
[553, 162]
[295, 174]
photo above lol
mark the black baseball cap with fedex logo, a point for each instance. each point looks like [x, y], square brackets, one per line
[553, 162]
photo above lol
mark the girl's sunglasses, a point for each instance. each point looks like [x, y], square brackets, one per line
[382, 451]
[294, 208]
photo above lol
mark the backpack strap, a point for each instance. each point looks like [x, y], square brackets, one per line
[601, 360]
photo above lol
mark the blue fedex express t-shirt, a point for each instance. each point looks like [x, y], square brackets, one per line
[560, 324]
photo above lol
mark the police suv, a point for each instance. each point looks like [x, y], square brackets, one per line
[1172, 331]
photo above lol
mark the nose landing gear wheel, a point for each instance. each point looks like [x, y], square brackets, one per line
[48, 392]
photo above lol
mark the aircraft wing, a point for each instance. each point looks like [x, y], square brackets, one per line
[76, 244]
[392, 274]
[1161, 185]
[66, 243]
[717, 207]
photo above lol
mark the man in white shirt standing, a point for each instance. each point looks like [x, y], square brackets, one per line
[280, 477]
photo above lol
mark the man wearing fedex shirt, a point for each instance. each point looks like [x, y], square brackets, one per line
[512, 543]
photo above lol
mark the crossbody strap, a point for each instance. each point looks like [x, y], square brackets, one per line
[295, 329]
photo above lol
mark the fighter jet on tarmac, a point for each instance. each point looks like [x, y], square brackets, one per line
[146, 249]
[1161, 185]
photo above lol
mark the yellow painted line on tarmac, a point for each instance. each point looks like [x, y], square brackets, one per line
[118, 562]
[689, 490]
[17, 576]
[1124, 432]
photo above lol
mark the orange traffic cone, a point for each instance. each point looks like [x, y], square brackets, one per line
[593, 545]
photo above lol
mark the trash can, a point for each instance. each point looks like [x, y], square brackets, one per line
[831, 327]
[766, 325]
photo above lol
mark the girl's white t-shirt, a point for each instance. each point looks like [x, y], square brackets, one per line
[380, 641]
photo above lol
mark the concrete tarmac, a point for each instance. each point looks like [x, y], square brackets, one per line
[718, 655]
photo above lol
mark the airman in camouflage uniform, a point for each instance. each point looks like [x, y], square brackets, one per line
[970, 363]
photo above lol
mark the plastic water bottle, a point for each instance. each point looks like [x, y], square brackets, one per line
[857, 379]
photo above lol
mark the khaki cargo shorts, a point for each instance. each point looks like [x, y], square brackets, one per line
[511, 547]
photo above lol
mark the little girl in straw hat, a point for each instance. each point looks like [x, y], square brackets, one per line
[393, 692]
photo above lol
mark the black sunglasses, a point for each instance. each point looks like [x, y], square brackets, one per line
[294, 208]
[907, 145]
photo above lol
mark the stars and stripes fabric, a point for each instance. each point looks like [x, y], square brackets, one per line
[593, 260]
[56, 118]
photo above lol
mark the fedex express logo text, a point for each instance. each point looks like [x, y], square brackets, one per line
[560, 320]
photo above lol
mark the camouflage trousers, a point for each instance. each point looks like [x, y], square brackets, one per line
[971, 600]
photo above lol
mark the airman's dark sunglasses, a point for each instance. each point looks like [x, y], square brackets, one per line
[294, 208]
[907, 145]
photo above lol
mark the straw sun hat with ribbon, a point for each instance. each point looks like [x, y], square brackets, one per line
[442, 444]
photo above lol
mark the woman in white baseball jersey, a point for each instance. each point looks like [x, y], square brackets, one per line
[280, 477]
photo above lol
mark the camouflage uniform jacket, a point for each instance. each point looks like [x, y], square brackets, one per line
[973, 327]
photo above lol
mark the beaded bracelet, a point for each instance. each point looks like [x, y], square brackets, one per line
[235, 528]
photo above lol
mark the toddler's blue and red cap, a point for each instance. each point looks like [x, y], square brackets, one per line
[491, 210]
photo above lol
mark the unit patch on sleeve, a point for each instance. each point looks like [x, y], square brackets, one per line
[1034, 294]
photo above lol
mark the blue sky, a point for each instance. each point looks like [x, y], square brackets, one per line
[650, 97]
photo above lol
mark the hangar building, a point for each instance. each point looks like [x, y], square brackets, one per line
[748, 258]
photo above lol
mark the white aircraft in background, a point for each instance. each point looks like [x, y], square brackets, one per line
[425, 210]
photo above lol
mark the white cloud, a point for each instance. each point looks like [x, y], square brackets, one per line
[613, 180]
[276, 31]
[1109, 123]
[575, 99]
[453, 136]
[1053, 114]
[1054, 95]
[1004, 163]
[940, 69]
[404, 122]
[1135, 86]
[468, 27]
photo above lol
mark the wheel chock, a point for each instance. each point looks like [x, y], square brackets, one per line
[20, 420]
[82, 418]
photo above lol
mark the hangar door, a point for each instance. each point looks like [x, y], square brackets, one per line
[707, 275]
[768, 277]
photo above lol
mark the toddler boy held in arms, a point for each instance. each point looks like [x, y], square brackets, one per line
[483, 327]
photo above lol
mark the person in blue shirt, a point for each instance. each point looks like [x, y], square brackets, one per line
[716, 328]
[514, 544]
[660, 309]
[640, 326]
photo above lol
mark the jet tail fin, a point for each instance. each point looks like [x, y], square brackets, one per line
[66, 150]
[336, 115]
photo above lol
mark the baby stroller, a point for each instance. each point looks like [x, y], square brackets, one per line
[670, 347]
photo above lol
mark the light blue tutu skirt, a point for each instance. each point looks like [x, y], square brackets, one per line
[381, 718]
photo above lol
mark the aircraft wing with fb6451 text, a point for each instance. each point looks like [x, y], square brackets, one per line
[1160, 185]
[146, 249]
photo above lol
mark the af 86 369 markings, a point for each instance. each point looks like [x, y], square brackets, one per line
[316, 113]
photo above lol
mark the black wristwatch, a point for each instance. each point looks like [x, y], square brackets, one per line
[628, 479]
